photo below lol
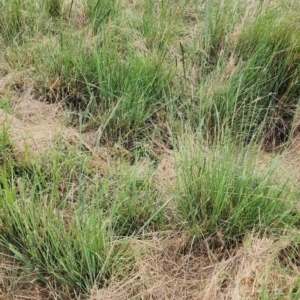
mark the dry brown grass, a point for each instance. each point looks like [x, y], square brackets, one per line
[287, 161]
[35, 130]
[36, 127]
[169, 270]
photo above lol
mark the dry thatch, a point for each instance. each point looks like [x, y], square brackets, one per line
[166, 270]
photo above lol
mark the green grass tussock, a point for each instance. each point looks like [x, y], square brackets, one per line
[77, 255]
[68, 244]
[222, 192]
[267, 82]
[68, 225]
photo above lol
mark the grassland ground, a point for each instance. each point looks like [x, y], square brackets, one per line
[149, 149]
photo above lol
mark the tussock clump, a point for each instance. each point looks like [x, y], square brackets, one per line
[221, 191]
[266, 86]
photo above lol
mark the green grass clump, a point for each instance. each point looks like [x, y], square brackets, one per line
[248, 72]
[66, 224]
[263, 90]
[132, 96]
[119, 96]
[60, 233]
[76, 251]
[222, 192]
